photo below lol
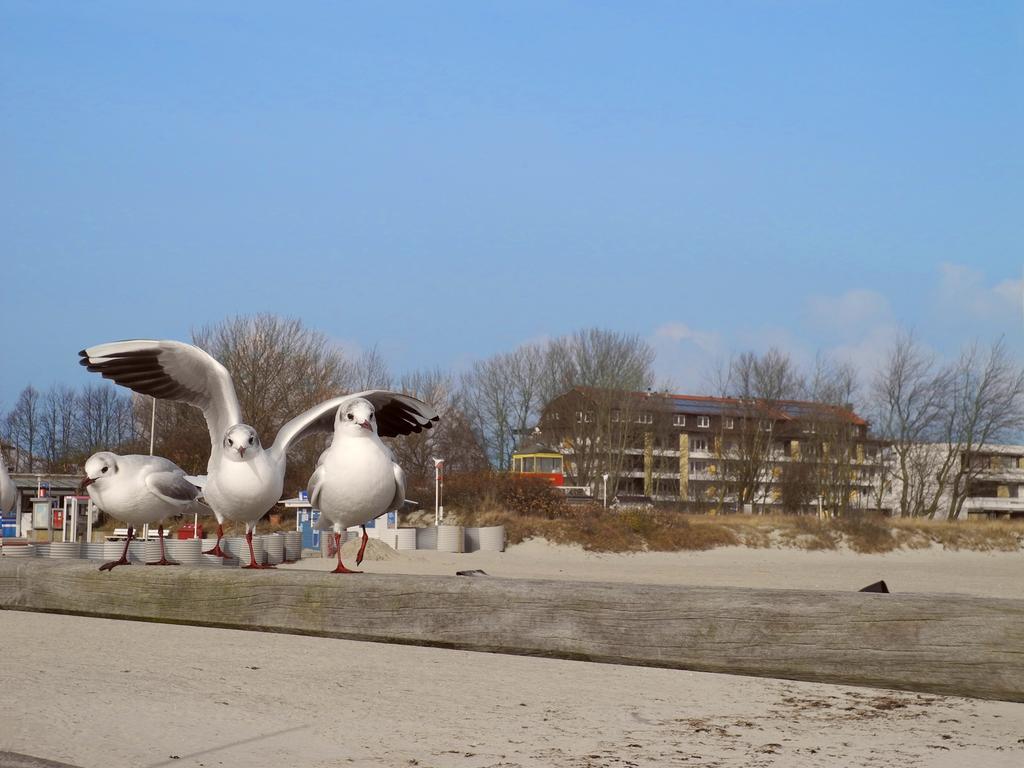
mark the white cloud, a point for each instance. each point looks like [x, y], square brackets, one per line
[685, 355]
[849, 313]
[709, 341]
[966, 289]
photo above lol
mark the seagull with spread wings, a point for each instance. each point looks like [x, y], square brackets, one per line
[244, 480]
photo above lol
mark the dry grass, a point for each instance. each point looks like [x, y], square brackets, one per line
[652, 530]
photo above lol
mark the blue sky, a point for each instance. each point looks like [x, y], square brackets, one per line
[449, 180]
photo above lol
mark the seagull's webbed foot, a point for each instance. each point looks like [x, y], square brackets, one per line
[163, 561]
[114, 563]
[342, 569]
[217, 551]
[258, 567]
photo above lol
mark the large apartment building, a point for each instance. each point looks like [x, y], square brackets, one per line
[712, 452]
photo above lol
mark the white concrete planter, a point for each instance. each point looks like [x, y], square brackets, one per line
[405, 538]
[492, 538]
[426, 538]
[450, 538]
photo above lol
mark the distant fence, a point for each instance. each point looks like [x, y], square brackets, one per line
[945, 644]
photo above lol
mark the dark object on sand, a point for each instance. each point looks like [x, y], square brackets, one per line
[474, 572]
[878, 586]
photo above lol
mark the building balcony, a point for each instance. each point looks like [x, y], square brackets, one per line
[994, 504]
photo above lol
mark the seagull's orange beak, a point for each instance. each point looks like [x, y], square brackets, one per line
[86, 482]
[241, 452]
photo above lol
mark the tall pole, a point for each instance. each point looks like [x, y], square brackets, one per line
[438, 505]
[152, 428]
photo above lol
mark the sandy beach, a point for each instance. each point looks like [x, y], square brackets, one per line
[988, 574]
[94, 692]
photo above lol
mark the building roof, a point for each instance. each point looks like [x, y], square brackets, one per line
[703, 405]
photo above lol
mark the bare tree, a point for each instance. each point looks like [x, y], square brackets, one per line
[24, 429]
[910, 400]
[503, 395]
[450, 439]
[757, 383]
[59, 411]
[368, 371]
[597, 384]
[105, 419]
[987, 407]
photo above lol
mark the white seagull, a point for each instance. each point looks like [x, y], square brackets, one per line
[243, 480]
[8, 490]
[356, 478]
[139, 490]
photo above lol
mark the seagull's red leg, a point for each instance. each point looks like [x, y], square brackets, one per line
[124, 555]
[362, 547]
[216, 547]
[163, 555]
[340, 568]
[252, 555]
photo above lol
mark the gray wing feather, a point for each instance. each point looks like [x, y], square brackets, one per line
[171, 370]
[172, 487]
[314, 485]
[319, 418]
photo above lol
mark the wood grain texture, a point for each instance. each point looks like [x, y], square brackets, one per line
[947, 644]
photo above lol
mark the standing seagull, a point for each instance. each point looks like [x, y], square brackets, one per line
[139, 490]
[356, 478]
[8, 490]
[243, 479]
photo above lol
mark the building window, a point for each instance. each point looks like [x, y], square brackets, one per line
[766, 425]
[588, 416]
[810, 429]
[697, 467]
[616, 414]
[644, 418]
[679, 420]
[698, 444]
[728, 423]
[703, 421]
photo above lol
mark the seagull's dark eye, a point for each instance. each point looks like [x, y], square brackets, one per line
[371, 417]
[251, 440]
[230, 441]
[105, 469]
[350, 417]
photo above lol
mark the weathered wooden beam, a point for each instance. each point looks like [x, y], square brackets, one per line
[947, 644]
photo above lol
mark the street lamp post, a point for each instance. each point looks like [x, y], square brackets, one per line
[604, 477]
[438, 488]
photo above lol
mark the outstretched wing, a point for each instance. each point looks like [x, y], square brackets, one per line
[397, 414]
[170, 370]
[172, 487]
[319, 418]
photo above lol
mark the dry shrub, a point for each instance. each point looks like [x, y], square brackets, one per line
[533, 509]
[529, 496]
[978, 535]
[865, 533]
